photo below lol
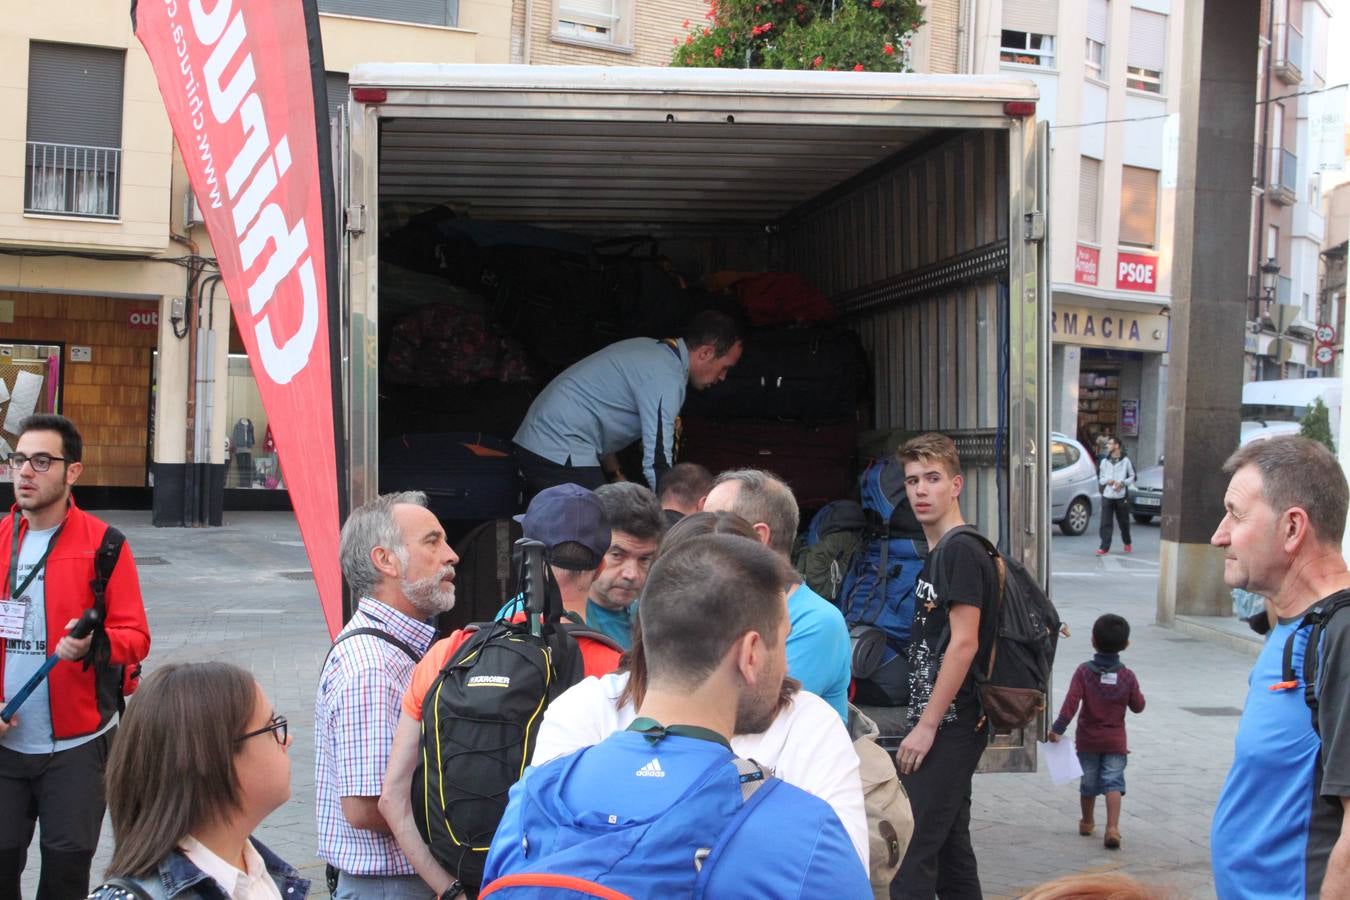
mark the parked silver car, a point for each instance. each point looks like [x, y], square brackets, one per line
[1073, 484]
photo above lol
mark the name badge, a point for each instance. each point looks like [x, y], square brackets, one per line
[12, 616]
[1109, 678]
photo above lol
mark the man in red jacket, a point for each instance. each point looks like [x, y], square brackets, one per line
[52, 753]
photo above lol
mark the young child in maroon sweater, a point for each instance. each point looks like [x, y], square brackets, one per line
[1105, 688]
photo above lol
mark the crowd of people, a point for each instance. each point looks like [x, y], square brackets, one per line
[706, 743]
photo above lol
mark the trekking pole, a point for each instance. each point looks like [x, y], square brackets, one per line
[79, 632]
[532, 583]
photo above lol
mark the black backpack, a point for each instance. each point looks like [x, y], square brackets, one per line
[1317, 617]
[480, 718]
[1015, 684]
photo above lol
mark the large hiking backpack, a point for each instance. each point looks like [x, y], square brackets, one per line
[878, 590]
[833, 539]
[1318, 617]
[671, 854]
[1014, 684]
[480, 718]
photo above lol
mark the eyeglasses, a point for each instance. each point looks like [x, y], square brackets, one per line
[276, 725]
[41, 461]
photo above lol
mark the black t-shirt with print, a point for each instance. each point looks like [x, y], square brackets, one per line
[965, 574]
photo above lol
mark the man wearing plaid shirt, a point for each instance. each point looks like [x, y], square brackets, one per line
[396, 559]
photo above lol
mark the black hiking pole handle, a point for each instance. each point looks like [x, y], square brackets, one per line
[79, 632]
[532, 582]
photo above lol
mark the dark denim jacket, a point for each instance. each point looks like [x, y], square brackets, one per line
[178, 879]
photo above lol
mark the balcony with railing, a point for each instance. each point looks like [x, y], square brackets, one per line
[72, 180]
[1288, 58]
[1283, 176]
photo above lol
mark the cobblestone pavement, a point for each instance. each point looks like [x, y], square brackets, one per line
[243, 593]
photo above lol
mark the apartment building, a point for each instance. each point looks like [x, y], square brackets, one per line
[1288, 224]
[1109, 76]
[103, 258]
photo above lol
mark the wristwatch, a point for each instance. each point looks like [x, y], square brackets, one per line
[455, 889]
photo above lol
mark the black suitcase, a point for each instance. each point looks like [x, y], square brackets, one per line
[813, 373]
[816, 460]
[465, 475]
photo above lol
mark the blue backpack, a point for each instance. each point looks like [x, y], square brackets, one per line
[878, 591]
[592, 855]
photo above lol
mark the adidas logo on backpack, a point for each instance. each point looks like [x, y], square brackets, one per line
[651, 770]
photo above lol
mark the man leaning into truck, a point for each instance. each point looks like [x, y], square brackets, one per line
[631, 390]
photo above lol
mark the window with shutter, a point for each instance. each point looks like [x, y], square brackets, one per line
[337, 94]
[1028, 48]
[1089, 200]
[1148, 50]
[1138, 206]
[422, 12]
[73, 154]
[1094, 56]
[596, 21]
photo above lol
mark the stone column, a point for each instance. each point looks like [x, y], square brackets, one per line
[1213, 209]
[1064, 389]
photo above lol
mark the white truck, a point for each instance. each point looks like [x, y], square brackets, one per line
[916, 203]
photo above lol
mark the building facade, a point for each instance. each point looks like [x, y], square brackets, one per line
[1284, 306]
[1109, 75]
[111, 310]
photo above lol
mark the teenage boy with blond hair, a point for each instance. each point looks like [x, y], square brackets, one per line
[952, 633]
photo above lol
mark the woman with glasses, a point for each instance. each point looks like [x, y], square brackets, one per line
[200, 760]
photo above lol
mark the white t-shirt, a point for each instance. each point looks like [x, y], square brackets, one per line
[807, 745]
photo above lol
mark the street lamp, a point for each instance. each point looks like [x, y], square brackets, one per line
[1270, 274]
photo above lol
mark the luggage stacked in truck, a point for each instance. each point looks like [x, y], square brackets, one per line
[476, 317]
[790, 404]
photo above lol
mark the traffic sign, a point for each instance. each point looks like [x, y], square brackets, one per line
[1324, 355]
[1326, 334]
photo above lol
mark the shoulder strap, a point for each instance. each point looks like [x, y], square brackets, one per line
[1318, 616]
[1001, 568]
[105, 561]
[706, 861]
[374, 632]
[119, 889]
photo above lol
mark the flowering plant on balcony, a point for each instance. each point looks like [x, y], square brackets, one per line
[834, 35]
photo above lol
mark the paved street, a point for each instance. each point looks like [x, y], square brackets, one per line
[242, 593]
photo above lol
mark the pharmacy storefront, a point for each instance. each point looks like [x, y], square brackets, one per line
[1110, 373]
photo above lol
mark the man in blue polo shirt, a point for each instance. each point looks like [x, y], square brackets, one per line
[629, 391]
[818, 651]
[664, 808]
[1279, 829]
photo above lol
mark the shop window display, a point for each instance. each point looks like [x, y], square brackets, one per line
[251, 452]
[30, 383]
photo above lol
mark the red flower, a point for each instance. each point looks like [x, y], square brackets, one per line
[688, 38]
[675, 41]
[888, 50]
[876, 4]
[717, 52]
[686, 24]
[815, 63]
[767, 27]
[858, 67]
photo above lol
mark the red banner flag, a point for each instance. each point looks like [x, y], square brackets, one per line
[242, 81]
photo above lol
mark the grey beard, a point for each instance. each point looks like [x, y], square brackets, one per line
[429, 596]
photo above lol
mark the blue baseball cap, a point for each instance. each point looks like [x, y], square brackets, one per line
[568, 513]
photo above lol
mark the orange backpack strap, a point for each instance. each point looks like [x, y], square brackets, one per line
[550, 880]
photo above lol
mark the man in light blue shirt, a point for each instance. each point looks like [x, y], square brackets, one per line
[818, 649]
[631, 390]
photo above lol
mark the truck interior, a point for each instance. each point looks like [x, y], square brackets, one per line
[518, 230]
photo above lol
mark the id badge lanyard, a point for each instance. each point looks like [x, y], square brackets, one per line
[15, 592]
